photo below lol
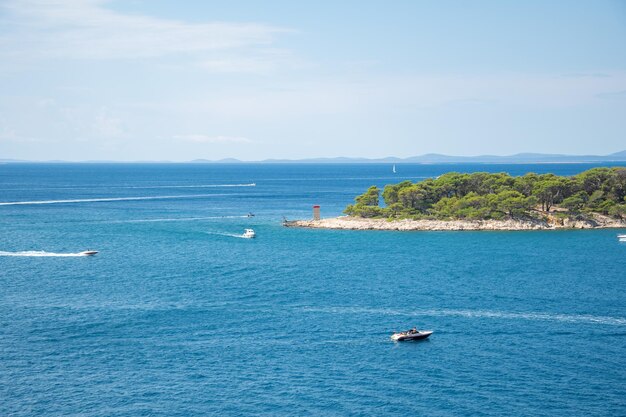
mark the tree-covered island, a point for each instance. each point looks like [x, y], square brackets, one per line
[500, 196]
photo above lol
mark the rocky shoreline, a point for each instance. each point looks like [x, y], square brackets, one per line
[550, 223]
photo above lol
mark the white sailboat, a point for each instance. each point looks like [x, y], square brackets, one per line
[394, 168]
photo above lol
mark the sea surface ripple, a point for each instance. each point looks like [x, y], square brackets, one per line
[178, 316]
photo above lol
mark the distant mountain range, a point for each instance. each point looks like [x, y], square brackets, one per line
[431, 158]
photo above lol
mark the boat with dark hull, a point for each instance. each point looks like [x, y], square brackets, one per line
[412, 334]
[89, 252]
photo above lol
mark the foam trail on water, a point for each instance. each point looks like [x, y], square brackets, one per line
[105, 199]
[225, 234]
[568, 318]
[91, 187]
[40, 253]
[175, 219]
[396, 177]
[192, 186]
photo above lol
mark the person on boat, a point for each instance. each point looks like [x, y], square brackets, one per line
[413, 330]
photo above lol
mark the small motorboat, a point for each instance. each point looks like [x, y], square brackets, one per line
[89, 252]
[412, 334]
[248, 234]
[250, 214]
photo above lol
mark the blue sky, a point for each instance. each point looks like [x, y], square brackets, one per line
[166, 80]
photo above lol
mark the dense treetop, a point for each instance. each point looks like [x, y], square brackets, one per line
[482, 195]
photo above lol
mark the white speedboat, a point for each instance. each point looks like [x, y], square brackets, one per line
[248, 234]
[89, 252]
[412, 334]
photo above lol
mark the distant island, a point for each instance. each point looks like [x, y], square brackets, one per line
[431, 158]
[483, 201]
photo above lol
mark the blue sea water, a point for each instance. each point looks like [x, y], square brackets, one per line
[179, 316]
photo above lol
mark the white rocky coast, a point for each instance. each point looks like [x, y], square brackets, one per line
[551, 223]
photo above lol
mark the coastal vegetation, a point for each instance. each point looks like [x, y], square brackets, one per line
[499, 196]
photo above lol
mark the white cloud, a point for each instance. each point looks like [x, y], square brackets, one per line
[11, 135]
[199, 138]
[324, 99]
[239, 64]
[108, 126]
[262, 61]
[7, 134]
[44, 29]
[612, 95]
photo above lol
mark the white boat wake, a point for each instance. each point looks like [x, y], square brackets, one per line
[105, 199]
[40, 254]
[176, 219]
[128, 187]
[395, 177]
[489, 314]
[240, 236]
[191, 186]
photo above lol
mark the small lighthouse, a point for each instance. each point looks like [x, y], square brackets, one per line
[316, 212]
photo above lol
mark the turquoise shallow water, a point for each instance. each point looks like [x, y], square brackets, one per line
[177, 315]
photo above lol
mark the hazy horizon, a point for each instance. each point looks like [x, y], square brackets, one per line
[539, 157]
